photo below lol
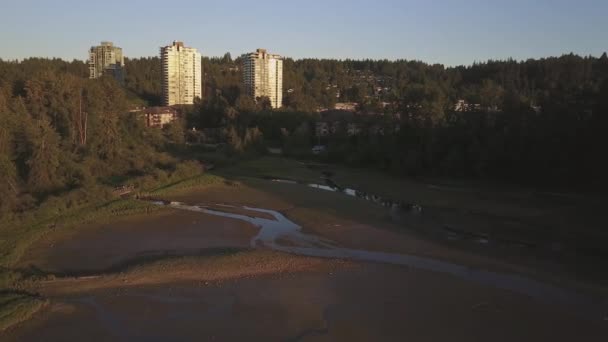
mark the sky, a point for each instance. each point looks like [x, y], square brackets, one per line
[450, 32]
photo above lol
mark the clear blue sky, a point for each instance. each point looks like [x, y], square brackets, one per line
[448, 32]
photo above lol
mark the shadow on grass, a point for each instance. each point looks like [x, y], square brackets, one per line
[9, 295]
[129, 264]
[170, 185]
[17, 306]
[531, 242]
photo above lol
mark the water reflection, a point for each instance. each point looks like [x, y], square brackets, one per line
[332, 186]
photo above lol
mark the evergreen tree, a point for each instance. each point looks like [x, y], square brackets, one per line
[43, 162]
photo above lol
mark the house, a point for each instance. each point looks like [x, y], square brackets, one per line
[376, 130]
[346, 106]
[335, 127]
[353, 129]
[159, 116]
[136, 109]
[322, 128]
[464, 106]
[275, 150]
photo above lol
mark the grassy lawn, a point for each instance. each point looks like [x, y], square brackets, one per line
[189, 184]
[459, 197]
[432, 193]
[272, 167]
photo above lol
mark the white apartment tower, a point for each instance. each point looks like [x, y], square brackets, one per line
[263, 76]
[181, 74]
[106, 59]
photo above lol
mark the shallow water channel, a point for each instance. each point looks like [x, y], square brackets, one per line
[280, 228]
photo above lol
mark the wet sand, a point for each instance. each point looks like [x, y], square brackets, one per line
[367, 227]
[359, 224]
[104, 246]
[325, 302]
[269, 296]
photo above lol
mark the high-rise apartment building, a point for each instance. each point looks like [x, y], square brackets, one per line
[106, 59]
[181, 74]
[263, 76]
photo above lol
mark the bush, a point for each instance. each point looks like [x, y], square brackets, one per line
[15, 308]
[187, 169]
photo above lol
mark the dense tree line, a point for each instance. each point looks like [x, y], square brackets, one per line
[534, 121]
[310, 84]
[61, 131]
[143, 78]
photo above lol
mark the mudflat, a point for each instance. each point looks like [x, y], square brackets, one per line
[104, 246]
[294, 299]
[189, 274]
[357, 224]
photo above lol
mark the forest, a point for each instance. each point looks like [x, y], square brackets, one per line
[66, 140]
[536, 122]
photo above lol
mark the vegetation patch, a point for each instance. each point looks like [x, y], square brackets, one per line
[57, 215]
[18, 307]
[216, 265]
[273, 168]
[200, 181]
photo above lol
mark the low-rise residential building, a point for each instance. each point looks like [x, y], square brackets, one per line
[347, 106]
[335, 127]
[327, 128]
[159, 116]
[376, 130]
[464, 106]
[322, 129]
[536, 109]
[353, 128]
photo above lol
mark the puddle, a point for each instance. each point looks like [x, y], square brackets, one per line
[399, 209]
[280, 227]
[453, 233]
[270, 229]
[323, 187]
[286, 181]
[385, 202]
